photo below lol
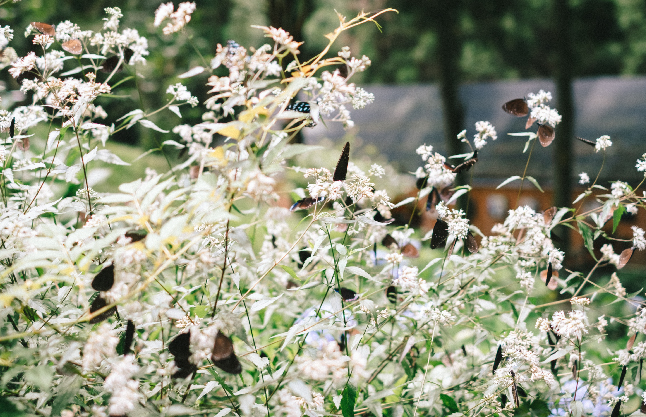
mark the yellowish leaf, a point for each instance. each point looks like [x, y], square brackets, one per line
[230, 131]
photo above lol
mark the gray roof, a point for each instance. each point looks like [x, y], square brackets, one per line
[404, 117]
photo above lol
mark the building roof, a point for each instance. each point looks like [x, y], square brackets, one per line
[404, 117]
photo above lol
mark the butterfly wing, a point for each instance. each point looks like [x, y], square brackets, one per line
[341, 170]
[545, 135]
[517, 107]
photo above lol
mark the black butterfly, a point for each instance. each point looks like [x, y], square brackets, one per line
[180, 349]
[348, 294]
[341, 170]
[621, 378]
[111, 63]
[472, 243]
[303, 255]
[440, 234]
[103, 281]
[421, 182]
[464, 166]
[391, 294]
[130, 334]
[498, 359]
[12, 128]
[299, 106]
[305, 203]
[223, 355]
[548, 277]
[98, 303]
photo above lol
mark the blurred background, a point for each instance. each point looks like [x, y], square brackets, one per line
[438, 66]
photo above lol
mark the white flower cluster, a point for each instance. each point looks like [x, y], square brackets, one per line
[458, 224]
[329, 362]
[409, 281]
[641, 164]
[639, 241]
[101, 345]
[124, 389]
[178, 18]
[540, 111]
[603, 142]
[181, 93]
[485, 131]
[571, 327]
[619, 189]
[438, 175]
[584, 178]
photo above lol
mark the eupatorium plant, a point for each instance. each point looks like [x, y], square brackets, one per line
[260, 277]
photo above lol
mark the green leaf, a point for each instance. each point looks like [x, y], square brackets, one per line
[8, 408]
[507, 181]
[533, 181]
[449, 403]
[41, 377]
[348, 400]
[586, 233]
[616, 217]
[67, 389]
[291, 272]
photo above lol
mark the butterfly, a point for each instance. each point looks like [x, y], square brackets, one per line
[440, 234]
[391, 294]
[408, 250]
[464, 166]
[44, 28]
[103, 281]
[435, 196]
[421, 182]
[518, 107]
[73, 46]
[498, 359]
[129, 337]
[305, 108]
[586, 141]
[303, 255]
[180, 349]
[12, 128]
[341, 170]
[305, 203]
[348, 294]
[110, 64]
[223, 355]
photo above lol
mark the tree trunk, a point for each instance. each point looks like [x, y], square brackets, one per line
[449, 49]
[565, 104]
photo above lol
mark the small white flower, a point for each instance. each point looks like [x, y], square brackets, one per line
[584, 178]
[641, 164]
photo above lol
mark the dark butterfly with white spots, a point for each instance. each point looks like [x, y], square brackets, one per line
[305, 203]
[341, 170]
[223, 355]
[472, 243]
[180, 348]
[440, 234]
[305, 108]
